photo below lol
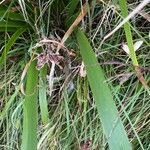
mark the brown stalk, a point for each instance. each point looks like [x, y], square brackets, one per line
[141, 77]
[74, 25]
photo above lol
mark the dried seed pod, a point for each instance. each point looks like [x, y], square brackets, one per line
[56, 58]
[41, 61]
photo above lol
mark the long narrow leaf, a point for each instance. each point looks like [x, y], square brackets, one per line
[10, 44]
[6, 13]
[9, 29]
[128, 32]
[8, 104]
[112, 125]
[30, 117]
[11, 23]
[43, 97]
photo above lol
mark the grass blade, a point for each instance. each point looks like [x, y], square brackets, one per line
[128, 32]
[9, 29]
[72, 6]
[30, 117]
[10, 44]
[6, 13]
[11, 23]
[42, 96]
[8, 104]
[129, 39]
[112, 125]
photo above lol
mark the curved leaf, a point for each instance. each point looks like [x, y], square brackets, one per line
[112, 125]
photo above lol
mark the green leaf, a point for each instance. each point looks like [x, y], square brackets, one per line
[9, 103]
[42, 96]
[9, 29]
[112, 125]
[10, 44]
[12, 23]
[128, 32]
[30, 111]
[4, 13]
[72, 6]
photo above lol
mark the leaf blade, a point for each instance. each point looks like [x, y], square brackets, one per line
[30, 117]
[10, 44]
[103, 98]
[42, 96]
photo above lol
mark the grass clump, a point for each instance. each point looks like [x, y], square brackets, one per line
[47, 100]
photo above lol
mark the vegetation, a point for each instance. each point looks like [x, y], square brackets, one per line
[71, 77]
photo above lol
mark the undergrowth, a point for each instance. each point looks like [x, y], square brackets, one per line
[60, 111]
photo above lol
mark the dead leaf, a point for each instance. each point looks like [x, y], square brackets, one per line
[140, 77]
[41, 61]
[145, 15]
[124, 77]
[137, 45]
[82, 70]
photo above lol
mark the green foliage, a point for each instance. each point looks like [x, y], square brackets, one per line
[9, 44]
[9, 20]
[85, 111]
[43, 96]
[30, 113]
[128, 32]
[107, 110]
